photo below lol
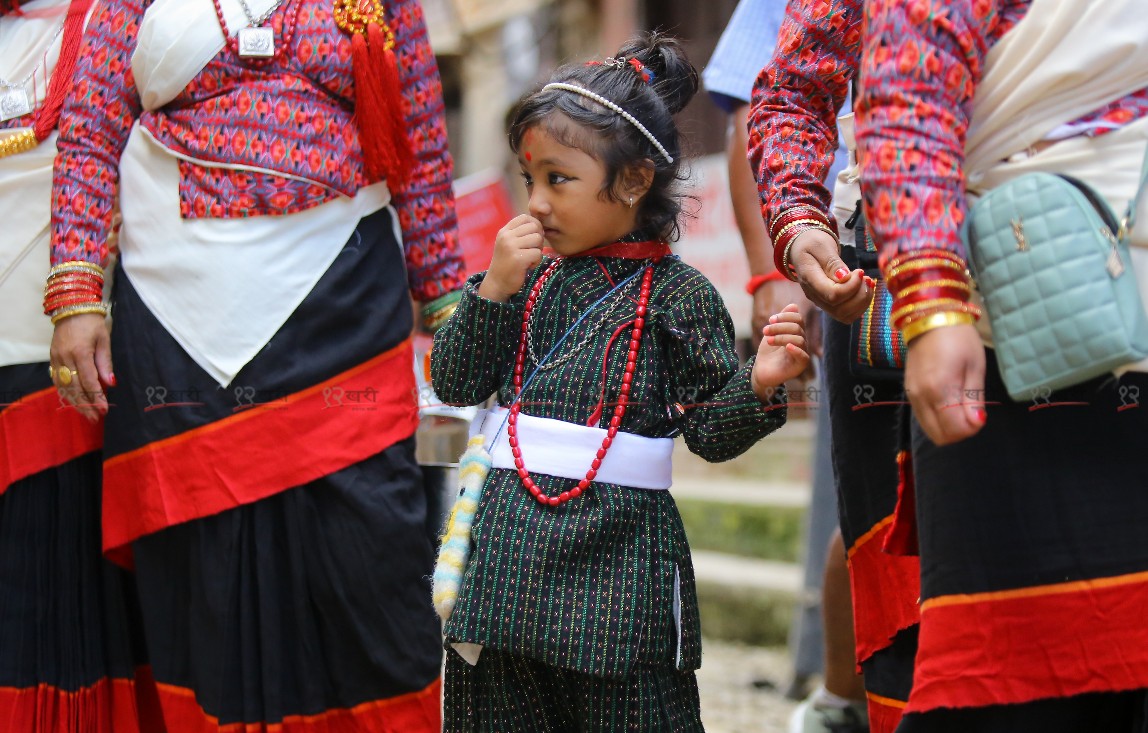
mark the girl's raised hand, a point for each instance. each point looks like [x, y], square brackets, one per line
[781, 355]
[517, 250]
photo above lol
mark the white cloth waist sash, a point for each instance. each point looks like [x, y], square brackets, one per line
[559, 448]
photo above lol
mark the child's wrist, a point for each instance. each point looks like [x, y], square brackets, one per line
[490, 290]
[766, 393]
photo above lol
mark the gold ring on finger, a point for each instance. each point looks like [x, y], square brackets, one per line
[65, 375]
[51, 372]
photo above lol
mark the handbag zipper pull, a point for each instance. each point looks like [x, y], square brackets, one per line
[1115, 264]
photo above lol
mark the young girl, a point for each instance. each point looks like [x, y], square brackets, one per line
[577, 610]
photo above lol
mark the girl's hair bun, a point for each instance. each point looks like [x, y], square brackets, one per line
[675, 78]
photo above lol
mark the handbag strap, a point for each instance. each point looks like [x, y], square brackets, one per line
[1130, 217]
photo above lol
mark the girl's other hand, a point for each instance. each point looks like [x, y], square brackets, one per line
[517, 251]
[781, 355]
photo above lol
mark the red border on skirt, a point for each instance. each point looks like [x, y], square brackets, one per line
[886, 590]
[1035, 643]
[261, 451]
[108, 706]
[884, 713]
[414, 712]
[37, 432]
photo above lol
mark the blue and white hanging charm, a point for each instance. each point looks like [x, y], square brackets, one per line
[454, 552]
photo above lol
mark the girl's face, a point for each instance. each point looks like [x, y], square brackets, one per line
[565, 186]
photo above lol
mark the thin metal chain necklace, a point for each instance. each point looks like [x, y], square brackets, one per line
[591, 332]
[14, 99]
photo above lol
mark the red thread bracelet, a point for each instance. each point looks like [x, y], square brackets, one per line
[757, 281]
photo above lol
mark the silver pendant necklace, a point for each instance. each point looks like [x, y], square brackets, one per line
[14, 102]
[257, 41]
[14, 99]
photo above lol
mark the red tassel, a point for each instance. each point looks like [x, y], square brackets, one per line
[61, 81]
[387, 150]
[902, 537]
[385, 59]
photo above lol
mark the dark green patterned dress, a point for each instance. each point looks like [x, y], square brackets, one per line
[602, 585]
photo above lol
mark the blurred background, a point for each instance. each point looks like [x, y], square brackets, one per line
[745, 518]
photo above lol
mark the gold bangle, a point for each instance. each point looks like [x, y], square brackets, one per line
[816, 225]
[786, 268]
[815, 212]
[912, 318]
[959, 284]
[72, 272]
[75, 264]
[925, 263]
[937, 320]
[781, 232]
[76, 310]
[922, 305]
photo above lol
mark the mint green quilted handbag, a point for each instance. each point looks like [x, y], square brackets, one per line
[1051, 261]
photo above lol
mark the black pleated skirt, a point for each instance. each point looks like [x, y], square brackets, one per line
[1034, 565]
[284, 574]
[72, 658]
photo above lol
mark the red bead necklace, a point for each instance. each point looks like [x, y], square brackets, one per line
[619, 410]
[289, 21]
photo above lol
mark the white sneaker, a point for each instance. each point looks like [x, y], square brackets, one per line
[812, 718]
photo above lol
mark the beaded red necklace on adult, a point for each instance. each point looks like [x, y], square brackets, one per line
[290, 19]
[641, 249]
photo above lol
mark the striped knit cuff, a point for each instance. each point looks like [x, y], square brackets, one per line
[494, 325]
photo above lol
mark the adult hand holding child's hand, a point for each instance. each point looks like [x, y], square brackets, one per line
[517, 250]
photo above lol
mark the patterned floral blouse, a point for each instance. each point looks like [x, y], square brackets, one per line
[293, 116]
[796, 99]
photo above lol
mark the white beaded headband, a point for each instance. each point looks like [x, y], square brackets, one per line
[611, 106]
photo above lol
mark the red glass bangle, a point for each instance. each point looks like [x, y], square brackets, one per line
[794, 214]
[53, 306]
[923, 276]
[931, 293]
[97, 288]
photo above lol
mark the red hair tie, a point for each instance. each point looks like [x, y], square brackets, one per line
[646, 74]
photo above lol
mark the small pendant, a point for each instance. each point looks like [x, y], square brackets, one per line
[1115, 263]
[256, 43]
[14, 103]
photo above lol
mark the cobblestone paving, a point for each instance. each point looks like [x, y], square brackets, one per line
[731, 702]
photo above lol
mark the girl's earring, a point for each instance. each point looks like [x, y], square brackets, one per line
[631, 202]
